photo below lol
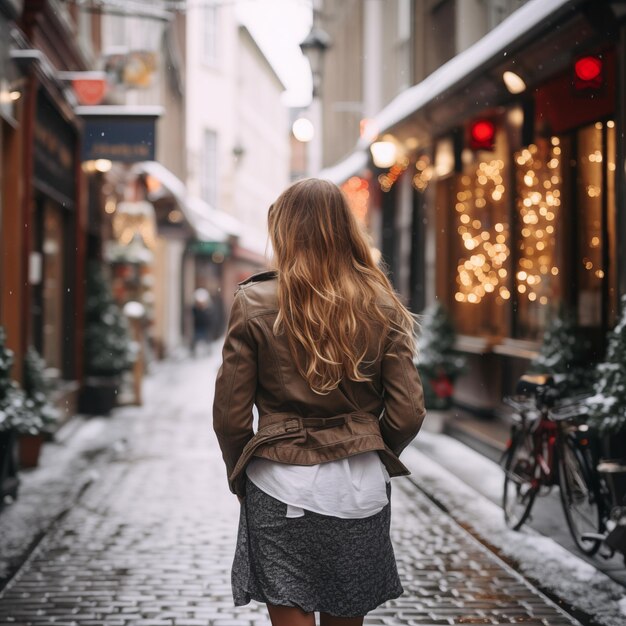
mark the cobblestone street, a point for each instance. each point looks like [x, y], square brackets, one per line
[150, 542]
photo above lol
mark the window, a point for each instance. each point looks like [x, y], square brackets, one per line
[499, 10]
[208, 183]
[566, 230]
[403, 49]
[596, 210]
[52, 286]
[440, 34]
[540, 237]
[209, 37]
[479, 232]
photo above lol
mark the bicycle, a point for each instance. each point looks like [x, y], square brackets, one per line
[549, 446]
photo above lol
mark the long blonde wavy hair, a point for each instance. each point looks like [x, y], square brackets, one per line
[328, 284]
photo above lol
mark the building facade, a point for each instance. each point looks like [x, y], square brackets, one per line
[43, 202]
[502, 199]
[237, 142]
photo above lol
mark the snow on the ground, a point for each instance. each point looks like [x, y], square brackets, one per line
[477, 470]
[537, 557]
[66, 466]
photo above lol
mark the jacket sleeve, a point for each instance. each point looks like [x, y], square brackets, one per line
[235, 386]
[403, 395]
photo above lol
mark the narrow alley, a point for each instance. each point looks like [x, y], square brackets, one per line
[150, 542]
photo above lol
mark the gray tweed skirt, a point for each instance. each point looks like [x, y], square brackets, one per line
[344, 567]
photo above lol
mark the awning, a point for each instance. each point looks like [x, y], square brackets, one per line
[208, 223]
[527, 21]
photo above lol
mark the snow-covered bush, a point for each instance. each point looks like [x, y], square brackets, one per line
[564, 353]
[607, 408]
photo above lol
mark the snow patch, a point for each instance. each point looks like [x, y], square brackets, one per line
[537, 557]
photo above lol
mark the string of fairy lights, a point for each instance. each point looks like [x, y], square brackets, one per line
[538, 202]
[484, 263]
[481, 270]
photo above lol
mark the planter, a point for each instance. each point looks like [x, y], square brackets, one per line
[9, 481]
[98, 395]
[29, 447]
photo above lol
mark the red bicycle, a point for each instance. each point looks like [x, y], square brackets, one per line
[549, 446]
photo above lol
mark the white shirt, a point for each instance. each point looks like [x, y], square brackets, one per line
[350, 488]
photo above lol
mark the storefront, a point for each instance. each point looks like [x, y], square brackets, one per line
[42, 227]
[10, 223]
[502, 200]
[53, 237]
[526, 222]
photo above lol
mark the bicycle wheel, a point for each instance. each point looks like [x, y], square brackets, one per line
[520, 486]
[580, 495]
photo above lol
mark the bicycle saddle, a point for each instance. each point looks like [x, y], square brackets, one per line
[530, 384]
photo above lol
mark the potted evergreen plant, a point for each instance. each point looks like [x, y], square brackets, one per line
[36, 420]
[107, 345]
[565, 354]
[11, 403]
[437, 361]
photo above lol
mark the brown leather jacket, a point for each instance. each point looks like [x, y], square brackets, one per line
[297, 425]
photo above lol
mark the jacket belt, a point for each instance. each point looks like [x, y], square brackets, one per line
[287, 434]
[293, 423]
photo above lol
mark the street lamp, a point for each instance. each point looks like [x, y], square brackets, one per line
[313, 48]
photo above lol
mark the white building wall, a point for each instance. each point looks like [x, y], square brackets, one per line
[262, 132]
[238, 98]
[211, 92]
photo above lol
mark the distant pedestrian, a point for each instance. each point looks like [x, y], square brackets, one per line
[324, 348]
[202, 314]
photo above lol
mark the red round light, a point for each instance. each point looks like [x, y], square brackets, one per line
[588, 68]
[483, 131]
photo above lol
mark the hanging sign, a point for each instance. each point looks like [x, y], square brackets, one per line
[119, 133]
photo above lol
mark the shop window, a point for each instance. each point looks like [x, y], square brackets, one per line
[596, 273]
[52, 287]
[480, 245]
[539, 251]
[565, 235]
[589, 265]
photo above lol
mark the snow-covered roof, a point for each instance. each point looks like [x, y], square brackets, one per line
[208, 223]
[495, 43]
[245, 31]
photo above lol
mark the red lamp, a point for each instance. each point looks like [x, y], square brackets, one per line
[588, 73]
[482, 135]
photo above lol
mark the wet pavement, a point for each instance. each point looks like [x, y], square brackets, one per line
[150, 541]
